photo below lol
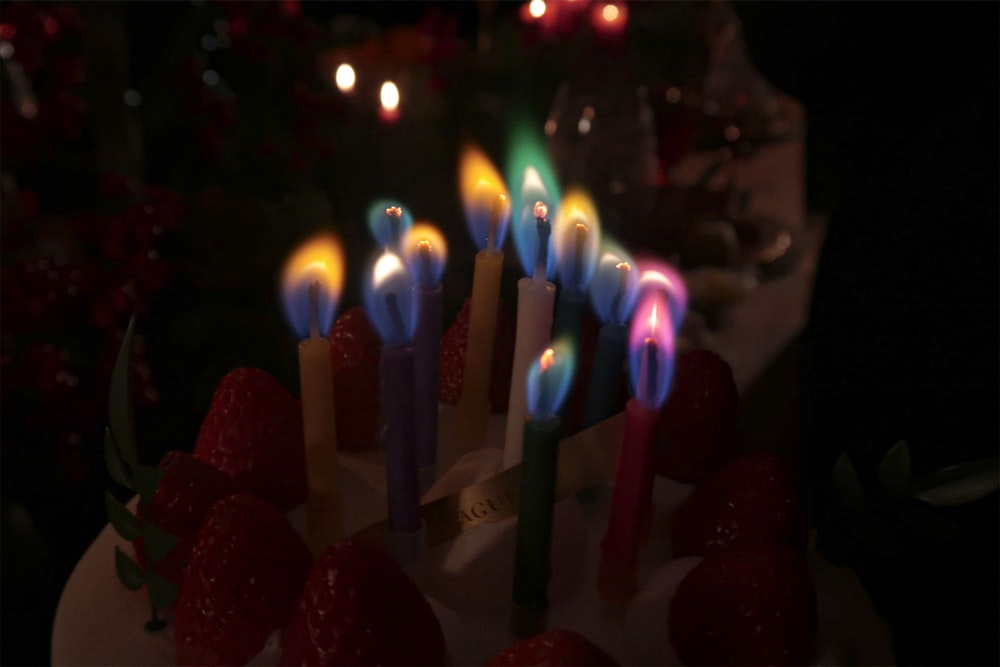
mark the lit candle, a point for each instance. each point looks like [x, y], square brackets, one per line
[613, 292]
[548, 383]
[651, 359]
[311, 284]
[388, 222]
[576, 239]
[532, 230]
[389, 301]
[425, 251]
[487, 208]
[388, 96]
[660, 277]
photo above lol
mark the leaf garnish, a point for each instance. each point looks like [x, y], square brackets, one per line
[894, 470]
[847, 483]
[121, 457]
[960, 484]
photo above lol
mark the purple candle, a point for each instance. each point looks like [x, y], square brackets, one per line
[425, 252]
[389, 300]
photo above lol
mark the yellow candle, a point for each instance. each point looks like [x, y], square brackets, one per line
[317, 264]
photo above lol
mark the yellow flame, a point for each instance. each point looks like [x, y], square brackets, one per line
[424, 233]
[576, 208]
[480, 184]
[320, 259]
[547, 360]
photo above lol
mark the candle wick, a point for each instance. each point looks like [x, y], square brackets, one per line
[314, 309]
[544, 229]
[424, 248]
[395, 316]
[491, 230]
[652, 368]
[394, 213]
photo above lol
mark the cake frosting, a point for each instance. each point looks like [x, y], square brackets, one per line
[467, 579]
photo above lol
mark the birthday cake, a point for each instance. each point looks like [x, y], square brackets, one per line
[712, 584]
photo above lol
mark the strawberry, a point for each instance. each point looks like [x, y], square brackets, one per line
[699, 423]
[753, 498]
[748, 605]
[360, 607]
[356, 349]
[553, 647]
[253, 432]
[453, 344]
[247, 567]
[184, 495]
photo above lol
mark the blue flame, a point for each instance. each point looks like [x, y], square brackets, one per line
[385, 229]
[388, 297]
[549, 379]
[614, 286]
[651, 350]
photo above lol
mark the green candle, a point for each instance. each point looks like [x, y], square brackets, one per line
[548, 382]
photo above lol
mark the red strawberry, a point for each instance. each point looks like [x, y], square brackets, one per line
[359, 607]
[356, 352]
[247, 568]
[553, 647]
[186, 492]
[754, 604]
[253, 432]
[753, 498]
[699, 423]
[453, 344]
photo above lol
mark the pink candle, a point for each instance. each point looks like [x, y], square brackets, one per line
[651, 356]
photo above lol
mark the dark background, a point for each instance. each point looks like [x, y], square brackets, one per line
[902, 340]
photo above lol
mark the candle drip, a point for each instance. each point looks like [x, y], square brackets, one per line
[394, 213]
[544, 228]
[314, 309]
[624, 268]
[395, 316]
[495, 213]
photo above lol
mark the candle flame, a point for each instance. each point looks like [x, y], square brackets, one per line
[345, 78]
[533, 181]
[651, 350]
[549, 379]
[659, 277]
[318, 261]
[614, 287]
[388, 221]
[425, 252]
[576, 238]
[484, 198]
[389, 300]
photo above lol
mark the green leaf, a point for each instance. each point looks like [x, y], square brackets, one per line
[113, 461]
[129, 572]
[894, 470]
[146, 479]
[846, 482]
[120, 409]
[162, 593]
[158, 542]
[959, 484]
[124, 522]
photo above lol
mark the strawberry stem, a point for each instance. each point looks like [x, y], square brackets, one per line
[155, 624]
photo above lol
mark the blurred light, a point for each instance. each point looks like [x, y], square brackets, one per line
[132, 97]
[536, 8]
[583, 127]
[6, 50]
[210, 77]
[389, 96]
[345, 78]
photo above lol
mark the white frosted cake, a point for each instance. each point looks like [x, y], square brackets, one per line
[467, 580]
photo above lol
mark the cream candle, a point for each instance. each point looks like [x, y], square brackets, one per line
[312, 280]
[487, 209]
